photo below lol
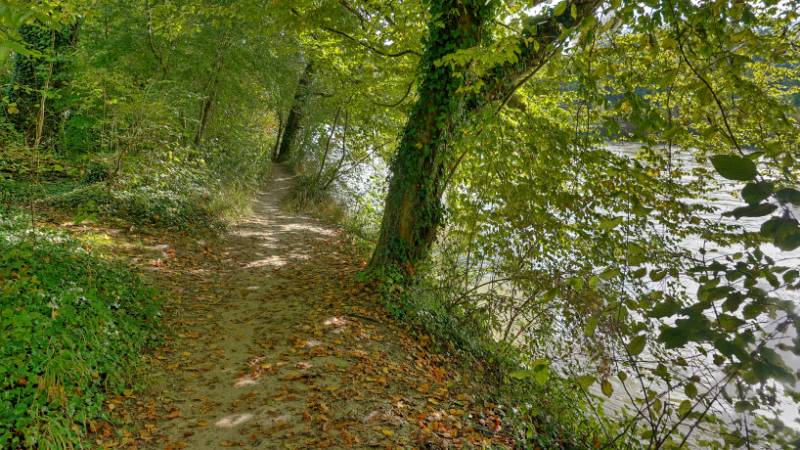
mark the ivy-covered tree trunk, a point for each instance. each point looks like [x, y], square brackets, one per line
[292, 127]
[413, 210]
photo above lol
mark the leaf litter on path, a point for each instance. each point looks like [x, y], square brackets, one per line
[272, 344]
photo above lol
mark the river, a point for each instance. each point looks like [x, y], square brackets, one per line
[724, 197]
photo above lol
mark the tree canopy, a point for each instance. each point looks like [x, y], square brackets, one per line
[599, 196]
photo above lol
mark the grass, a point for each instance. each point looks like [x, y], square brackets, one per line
[72, 327]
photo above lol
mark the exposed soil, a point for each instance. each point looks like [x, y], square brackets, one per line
[273, 344]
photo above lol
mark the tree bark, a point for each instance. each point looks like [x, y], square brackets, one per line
[208, 102]
[413, 209]
[278, 135]
[295, 118]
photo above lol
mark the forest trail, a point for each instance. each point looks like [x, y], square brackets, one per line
[274, 345]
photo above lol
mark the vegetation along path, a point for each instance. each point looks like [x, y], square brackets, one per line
[276, 346]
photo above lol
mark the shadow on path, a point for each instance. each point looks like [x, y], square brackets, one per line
[276, 346]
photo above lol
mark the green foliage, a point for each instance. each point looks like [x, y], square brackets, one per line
[172, 196]
[525, 229]
[73, 326]
[559, 417]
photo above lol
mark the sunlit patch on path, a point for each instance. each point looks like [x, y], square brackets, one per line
[276, 346]
[233, 420]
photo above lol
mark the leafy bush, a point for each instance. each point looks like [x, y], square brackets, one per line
[71, 328]
[309, 196]
[173, 197]
[558, 418]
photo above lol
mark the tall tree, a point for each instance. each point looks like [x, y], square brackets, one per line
[293, 122]
[413, 210]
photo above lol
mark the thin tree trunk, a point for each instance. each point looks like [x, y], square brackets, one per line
[295, 115]
[278, 135]
[338, 167]
[205, 113]
[328, 145]
[37, 141]
[25, 83]
[208, 102]
[159, 56]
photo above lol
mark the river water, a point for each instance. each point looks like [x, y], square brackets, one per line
[724, 197]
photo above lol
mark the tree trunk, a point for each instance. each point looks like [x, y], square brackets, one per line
[205, 114]
[413, 210]
[278, 135]
[29, 74]
[295, 115]
[208, 102]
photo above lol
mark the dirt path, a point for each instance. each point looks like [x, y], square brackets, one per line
[276, 346]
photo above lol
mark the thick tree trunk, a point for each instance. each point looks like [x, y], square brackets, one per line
[413, 210]
[295, 118]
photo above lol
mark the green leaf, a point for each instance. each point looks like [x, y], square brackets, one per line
[591, 326]
[609, 273]
[607, 224]
[730, 323]
[759, 210]
[790, 276]
[541, 374]
[754, 193]
[560, 8]
[734, 167]
[690, 390]
[743, 406]
[664, 309]
[657, 275]
[519, 374]
[636, 345]
[788, 195]
[673, 337]
[607, 388]
[684, 408]
[585, 381]
[785, 232]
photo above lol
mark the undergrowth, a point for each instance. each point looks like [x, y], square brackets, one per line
[72, 327]
[307, 195]
[178, 192]
[544, 411]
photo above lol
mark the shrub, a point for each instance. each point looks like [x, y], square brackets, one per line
[71, 328]
[176, 198]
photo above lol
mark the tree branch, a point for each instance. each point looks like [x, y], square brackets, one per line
[397, 103]
[370, 46]
[540, 40]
